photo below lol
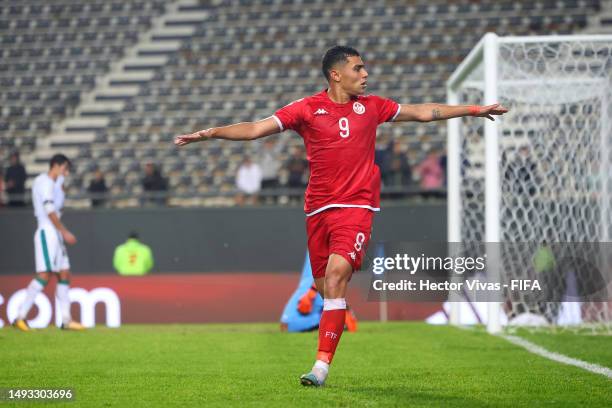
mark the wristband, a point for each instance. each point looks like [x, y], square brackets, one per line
[474, 110]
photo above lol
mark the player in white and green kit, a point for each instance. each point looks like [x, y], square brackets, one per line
[49, 238]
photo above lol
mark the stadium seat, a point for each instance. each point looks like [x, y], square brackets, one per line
[238, 65]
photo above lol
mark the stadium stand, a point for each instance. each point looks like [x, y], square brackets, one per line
[112, 82]
[54, 51]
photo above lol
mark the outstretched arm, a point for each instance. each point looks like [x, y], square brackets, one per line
[428, 112]
[238, 131]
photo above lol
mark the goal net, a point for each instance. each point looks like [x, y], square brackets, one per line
[537, 181]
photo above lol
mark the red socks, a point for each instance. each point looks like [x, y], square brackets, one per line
[331, 327]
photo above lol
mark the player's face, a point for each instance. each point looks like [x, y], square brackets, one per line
[353, 76]
[64, 169]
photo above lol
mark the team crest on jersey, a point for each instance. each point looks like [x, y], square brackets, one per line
[358, 108]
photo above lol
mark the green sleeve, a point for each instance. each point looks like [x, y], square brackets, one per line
[150, 262]
[117, 259]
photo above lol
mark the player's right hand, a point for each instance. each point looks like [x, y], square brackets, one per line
[69, 238]
[183, 140]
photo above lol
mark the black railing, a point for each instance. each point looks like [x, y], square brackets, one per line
[278, 196]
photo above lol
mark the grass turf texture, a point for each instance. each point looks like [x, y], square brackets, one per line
[584, 346]
[393, 364]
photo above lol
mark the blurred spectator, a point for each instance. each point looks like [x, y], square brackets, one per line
[431, 174]
[395, 168]
[297, 165]
[1, 187]
[270, 164]
[380, 155]
[98, 186]
[248, 181]
[154, 184]
[443, 167]
[133, 257]
[15, 179]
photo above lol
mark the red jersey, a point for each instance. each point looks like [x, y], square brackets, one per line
[339, 141]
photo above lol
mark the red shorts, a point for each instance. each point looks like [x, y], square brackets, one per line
[342, 231]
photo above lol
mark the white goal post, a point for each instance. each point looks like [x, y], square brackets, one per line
[538, 175]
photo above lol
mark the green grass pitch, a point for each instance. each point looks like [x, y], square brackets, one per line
[391, 364]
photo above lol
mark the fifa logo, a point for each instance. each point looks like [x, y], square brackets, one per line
[331, 335]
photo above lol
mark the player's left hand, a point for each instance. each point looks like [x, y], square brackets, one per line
[489, 111]
[183, 140]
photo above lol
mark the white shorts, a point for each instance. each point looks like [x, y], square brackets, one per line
[50, 251]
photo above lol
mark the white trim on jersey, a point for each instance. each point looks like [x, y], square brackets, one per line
[278, 122]
[342, 206]
[399, 108]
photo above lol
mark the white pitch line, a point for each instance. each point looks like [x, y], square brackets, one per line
[560, 358]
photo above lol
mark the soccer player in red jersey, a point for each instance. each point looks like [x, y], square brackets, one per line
[338, 126]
